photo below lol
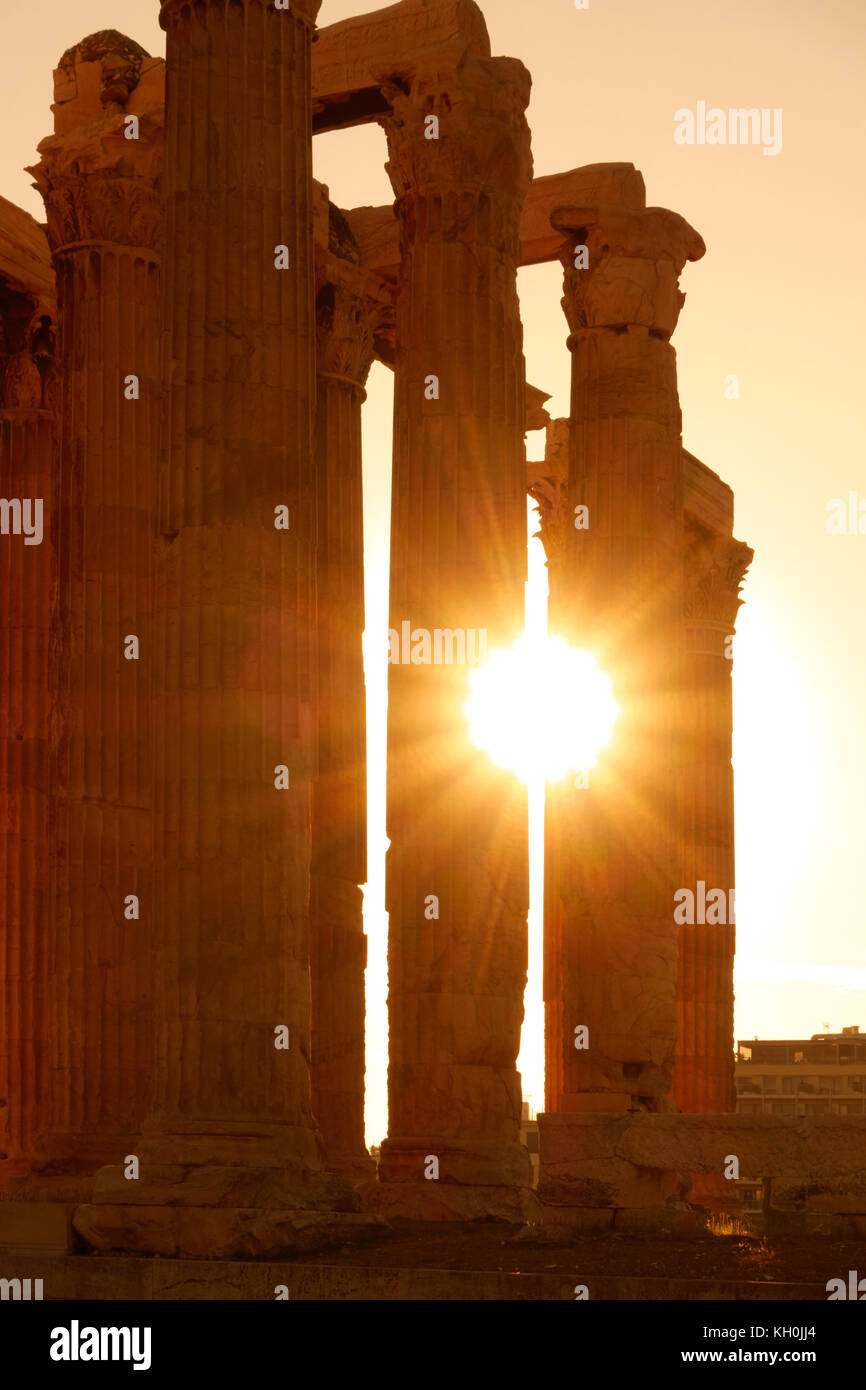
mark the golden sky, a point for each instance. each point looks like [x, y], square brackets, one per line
[778, 301]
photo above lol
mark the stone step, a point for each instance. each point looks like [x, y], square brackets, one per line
[128, 1278]
[37, 1226]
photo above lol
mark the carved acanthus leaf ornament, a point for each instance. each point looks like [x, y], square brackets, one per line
[634, 264]
[715, 567]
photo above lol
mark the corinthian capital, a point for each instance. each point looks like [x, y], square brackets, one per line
[547, 485]
[345, 329]
[462, 126]
[100, 186]
[26, 350]
[99, 172]
[633, 261]
[354, 306]
[715, 567]
[100, 207]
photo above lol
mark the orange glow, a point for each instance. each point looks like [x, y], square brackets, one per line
[541, 708]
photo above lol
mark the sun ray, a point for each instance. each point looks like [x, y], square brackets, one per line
[541, 708]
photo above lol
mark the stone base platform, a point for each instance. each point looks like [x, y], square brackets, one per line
[658, 1172]
[221, 1209]
[118, 1278]
[440, 1201]
[221, 1232]
[61, 1228]
[677, 1219]
[474, 1180]
[37, 1227]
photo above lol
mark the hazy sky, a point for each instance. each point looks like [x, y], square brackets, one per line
[778, 301]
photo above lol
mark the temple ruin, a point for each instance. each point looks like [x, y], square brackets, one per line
[185, 346]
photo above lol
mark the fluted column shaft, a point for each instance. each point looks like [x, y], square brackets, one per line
[338, 946]
[457, 871]
[704, 1070]
[612, 853]
[235, 599]
[104, 220]
[27, 580]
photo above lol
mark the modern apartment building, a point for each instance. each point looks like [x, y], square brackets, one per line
[821, 1075]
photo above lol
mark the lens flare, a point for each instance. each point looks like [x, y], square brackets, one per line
[541, 708]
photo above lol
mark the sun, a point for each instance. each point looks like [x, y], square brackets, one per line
[541, 708]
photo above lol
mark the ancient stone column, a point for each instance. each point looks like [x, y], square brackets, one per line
[547, 482]
[704, 1070]
[101, 195]
[338, 946]
[28, 572]
[613, 856]
[231, 1160]
[457, 871]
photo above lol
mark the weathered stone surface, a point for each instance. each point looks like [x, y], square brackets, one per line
[350, 57]
[714, 564]
[350, 310]
[635, 261]
[219, 1232]
[537, 417]
[474, 1162]
[434, 1201]
[132, 1277]
[843, 1202]
[704, 1066]
[591, 185]
[613, 850]
[706, 498]
[83, 1276]
[377, 230]
[104, 74]
[25, 256]
[457, 824]
[708, 502]
[104, 220]
[28, 576]
[233, 610]
[37, 1226]
[797, 1225]
[603, 1182]
[597, 1102]
[827, 1147]
[580, 1165]
[234, 682]
[184, 1185]
[818, 1157]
